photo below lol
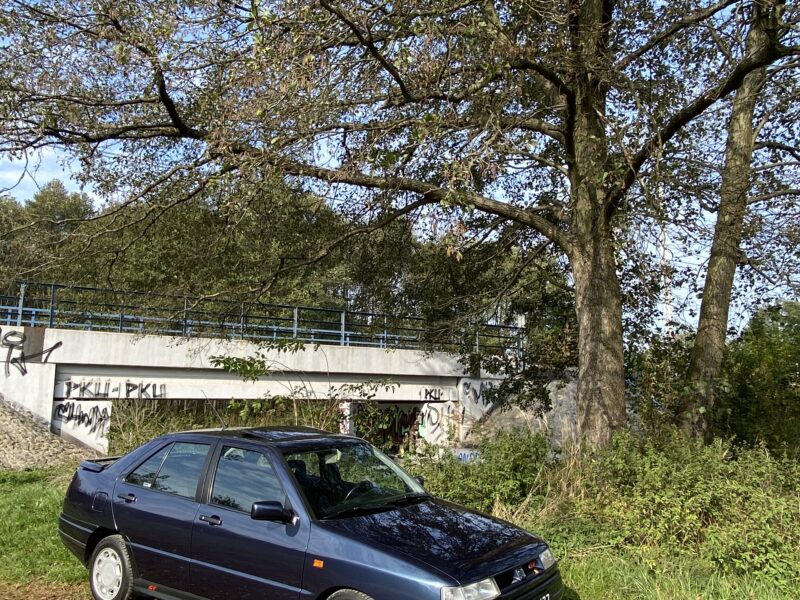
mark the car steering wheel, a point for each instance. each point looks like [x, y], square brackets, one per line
[362, 487]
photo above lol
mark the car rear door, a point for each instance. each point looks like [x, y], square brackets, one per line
[233, 556]
[154, 507]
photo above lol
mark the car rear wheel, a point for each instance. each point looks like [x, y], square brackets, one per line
[110, 573]
[348, 595]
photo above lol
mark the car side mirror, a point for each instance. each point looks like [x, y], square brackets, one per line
[420, 480]
[270, 510]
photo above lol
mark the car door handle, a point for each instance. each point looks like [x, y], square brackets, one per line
[127, 497]
[213, 520]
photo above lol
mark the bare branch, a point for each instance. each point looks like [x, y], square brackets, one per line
[793, 150]
[773, 195]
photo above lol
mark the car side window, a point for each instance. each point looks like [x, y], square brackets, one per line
[243, 477]
[145, 474]
[181, 469]
[175, 470]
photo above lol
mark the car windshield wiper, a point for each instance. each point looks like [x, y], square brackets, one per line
[407, 499]
[352, 511]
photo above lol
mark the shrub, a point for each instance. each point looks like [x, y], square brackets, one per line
[733, 508]
[759, 392]
[737, 507]
[510, 467]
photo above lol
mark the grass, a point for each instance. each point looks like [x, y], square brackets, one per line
[632, 575]
[30, 502]
[36, 565]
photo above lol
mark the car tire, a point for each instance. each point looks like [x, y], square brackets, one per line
[110, 571]
[348, 595]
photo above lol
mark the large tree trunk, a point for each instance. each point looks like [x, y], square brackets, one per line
[709, 346]
[598, 302]
[601, 377]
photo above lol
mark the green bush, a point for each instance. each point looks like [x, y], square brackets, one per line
[733, 509]
[759, 391]
[510, 467]
[736, 507]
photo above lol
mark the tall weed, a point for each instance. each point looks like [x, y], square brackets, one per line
[736, 509]
[512, 464]
[134, 422]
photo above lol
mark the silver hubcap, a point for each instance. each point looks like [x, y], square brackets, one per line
[107, 574]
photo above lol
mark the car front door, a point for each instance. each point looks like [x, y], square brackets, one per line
[233, 556]
[154, 507]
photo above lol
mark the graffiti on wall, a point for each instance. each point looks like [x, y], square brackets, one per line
[106, 389]
[466, 455]
[86, 421]
[432, 394]
[437, 421]
[402, 427]
[473, 396]
[94, 419]
[12, 346]
[442, 422]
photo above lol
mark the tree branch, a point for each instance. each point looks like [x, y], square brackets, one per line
[793, 150]
[663, 36]
[161, 83]
[467, 122]
[693, 109]
[380, 223]
[430, 193]
[368, 43]
[776, 194]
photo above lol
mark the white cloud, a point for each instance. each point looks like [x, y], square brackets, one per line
[22, 179]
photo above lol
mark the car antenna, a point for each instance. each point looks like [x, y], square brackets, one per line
[214, 410]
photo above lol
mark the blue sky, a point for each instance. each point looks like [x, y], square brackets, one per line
[22, 183]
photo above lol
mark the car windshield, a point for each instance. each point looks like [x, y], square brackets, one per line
[351, 479]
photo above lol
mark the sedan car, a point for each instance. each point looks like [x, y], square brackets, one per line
[287, 513]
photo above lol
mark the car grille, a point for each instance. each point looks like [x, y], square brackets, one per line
[506, 578]
[533, 588]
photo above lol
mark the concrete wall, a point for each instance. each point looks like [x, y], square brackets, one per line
[71, 378]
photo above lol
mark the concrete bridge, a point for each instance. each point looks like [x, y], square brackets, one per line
[71, 378]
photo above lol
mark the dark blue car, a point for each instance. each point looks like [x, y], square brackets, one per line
[287, 513]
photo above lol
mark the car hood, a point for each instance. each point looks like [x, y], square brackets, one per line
[465, 545]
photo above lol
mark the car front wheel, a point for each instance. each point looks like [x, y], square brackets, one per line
[348, 595]
[110, 573]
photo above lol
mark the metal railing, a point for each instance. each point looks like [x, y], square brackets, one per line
[97, 309]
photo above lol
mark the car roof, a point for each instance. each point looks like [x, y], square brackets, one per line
[282, 437]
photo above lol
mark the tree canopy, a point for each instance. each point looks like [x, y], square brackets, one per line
[552, 116]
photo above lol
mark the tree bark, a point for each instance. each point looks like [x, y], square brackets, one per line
[601, 379]
[709, 346]
[598, 302]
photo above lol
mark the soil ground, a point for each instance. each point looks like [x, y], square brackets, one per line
[43, 591]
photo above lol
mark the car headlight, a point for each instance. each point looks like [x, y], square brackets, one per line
[482, 590]
[547, 558]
